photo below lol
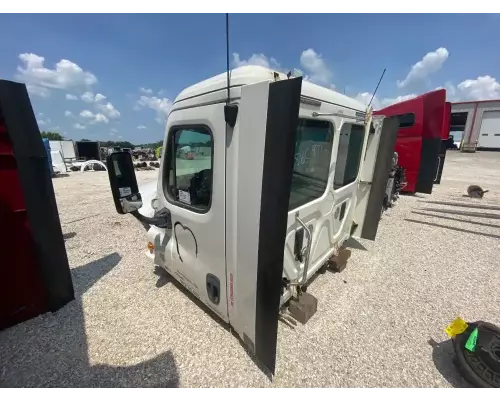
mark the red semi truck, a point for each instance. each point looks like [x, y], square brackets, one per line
[424, 126]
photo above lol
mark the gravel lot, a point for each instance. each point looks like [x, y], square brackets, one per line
[379, 323]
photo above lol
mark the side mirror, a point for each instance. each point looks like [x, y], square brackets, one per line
[123, 182]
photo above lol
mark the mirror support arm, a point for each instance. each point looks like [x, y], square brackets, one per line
[161, 218]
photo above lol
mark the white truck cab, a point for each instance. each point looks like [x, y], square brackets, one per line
[281, 173]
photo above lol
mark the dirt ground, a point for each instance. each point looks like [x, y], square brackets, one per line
[379, 323]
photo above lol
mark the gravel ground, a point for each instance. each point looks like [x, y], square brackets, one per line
[379, 323]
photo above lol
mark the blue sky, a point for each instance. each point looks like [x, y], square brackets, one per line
[117, 55]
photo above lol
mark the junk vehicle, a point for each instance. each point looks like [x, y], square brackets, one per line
[424, 127]
[292, 170]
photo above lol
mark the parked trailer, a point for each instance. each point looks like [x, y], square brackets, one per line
[245, 227]
[422, 129]
[88, 150]
[66, 147]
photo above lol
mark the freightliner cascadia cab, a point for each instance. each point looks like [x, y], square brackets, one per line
[280, 173]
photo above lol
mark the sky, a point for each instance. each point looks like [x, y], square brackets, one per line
[114, 77]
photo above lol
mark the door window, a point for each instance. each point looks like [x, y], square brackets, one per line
[351, 141]
[189, 168]
[313, 151]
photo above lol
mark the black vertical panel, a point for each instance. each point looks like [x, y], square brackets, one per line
[38, 192]
[428, 169]
[382, 168]
[282, 119]
[442, 156]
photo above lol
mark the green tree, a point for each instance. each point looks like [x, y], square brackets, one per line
[51, 135]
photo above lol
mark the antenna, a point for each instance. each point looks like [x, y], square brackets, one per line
[378, 84]
[227, 58]
[230, 110]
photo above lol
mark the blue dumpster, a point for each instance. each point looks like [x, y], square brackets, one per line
[49, 158]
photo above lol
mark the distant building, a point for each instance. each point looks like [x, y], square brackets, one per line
[476, 125]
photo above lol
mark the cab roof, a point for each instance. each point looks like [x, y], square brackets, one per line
[251, 74]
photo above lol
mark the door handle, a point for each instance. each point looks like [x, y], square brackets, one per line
[307, 252]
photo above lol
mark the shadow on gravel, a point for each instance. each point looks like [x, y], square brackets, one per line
[164, 278]
[465, 205]
[464, 213]
[452, 228]
[52, 350]
[354, 244]
[443, 356]
[456, 219]
[69, 235]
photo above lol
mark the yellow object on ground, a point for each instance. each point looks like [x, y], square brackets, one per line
[456, 327]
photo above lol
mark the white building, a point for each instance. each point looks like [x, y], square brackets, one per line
[476, 124]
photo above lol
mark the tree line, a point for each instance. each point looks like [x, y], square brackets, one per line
[108, 143]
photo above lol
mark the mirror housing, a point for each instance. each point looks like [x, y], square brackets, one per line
[123, 182]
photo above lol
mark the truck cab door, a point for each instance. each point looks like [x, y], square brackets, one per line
[444, 141]
[374, 175]
[260, 161]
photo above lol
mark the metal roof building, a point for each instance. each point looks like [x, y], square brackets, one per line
[476, 124]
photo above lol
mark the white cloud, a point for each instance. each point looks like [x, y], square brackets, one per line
[316, 69]
[68, 113]
[377, 103]
[65, 75]
[38, 91]
[429, 64]
[109, 110]
[94, 118]
[141, 127]
[120, 137]
[87, 97]
[393, 100]
[79, 126]
[101, 118]
[256, 59]
[313, 63]
[481, 88]
[161, 106]
[87, 114]
[365, 98]
[41, 122]
[71, 97]
[146, 90]
[99, 97]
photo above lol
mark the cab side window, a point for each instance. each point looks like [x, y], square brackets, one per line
[351, 141]
[313, 152]
[189, 167]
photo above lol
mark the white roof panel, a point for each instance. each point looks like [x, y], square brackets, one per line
[251, 74]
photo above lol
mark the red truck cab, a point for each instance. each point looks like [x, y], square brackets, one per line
[423, 131]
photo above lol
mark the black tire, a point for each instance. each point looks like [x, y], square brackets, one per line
[464, 357]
